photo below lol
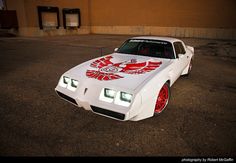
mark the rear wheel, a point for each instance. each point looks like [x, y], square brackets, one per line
[162, 98]
[190, 66]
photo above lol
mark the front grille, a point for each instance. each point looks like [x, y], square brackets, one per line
[108, 113]
[66, 97]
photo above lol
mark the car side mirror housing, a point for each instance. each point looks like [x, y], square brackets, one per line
[116, 49]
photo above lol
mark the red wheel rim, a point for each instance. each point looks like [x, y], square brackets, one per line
[162, 99]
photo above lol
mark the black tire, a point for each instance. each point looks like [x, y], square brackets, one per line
[190, 67]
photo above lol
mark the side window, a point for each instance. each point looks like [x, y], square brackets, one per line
[182, 49]
[179, 48]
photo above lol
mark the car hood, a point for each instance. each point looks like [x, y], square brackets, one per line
[123, 71]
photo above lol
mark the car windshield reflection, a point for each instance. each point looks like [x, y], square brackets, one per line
[150, 48]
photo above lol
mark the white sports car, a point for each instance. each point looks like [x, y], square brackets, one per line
[133, 83]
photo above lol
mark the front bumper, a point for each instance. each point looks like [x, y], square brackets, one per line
[95, 109]
[104, 111]
[108, 113]
[67, 98]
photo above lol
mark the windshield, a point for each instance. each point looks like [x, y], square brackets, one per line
[151, 48]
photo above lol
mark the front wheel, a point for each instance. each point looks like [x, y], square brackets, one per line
[162, 98]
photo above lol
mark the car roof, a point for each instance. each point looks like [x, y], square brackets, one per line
[169, 39]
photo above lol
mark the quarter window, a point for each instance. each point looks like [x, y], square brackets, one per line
[179, 48]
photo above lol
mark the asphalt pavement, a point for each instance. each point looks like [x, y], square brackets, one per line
[200, 119]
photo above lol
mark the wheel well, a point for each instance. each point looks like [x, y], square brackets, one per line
[168, 81]
[159, 106]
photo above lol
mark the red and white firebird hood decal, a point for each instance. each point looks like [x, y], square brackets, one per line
[107, 70]
[118, 70]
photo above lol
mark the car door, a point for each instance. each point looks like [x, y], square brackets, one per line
[181, 61]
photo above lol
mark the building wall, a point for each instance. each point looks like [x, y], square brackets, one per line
[28, 16]
[20, 11]
[180, 18]
[165, 13]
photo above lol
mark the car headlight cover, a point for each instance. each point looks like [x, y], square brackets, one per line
[64, 81]
[72, 85]
[107, 95]
[125, 97]
[68, 83]
[119, 97]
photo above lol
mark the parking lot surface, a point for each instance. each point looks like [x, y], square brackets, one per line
[200, 119]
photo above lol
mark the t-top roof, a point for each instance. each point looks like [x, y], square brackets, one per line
[169, 39]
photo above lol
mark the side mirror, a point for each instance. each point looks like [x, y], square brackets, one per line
[116, 49]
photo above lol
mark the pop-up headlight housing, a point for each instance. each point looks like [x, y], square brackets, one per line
[107, 95]
[118, 97]
[123, 99]
[68, 83]
[72, 85]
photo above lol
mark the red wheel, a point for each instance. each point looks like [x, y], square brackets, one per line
[163, 98]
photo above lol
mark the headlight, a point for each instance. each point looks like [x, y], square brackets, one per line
[123, 99]
[73, 84]
[64, 81]
[119, 98]
[107, 95]
[68, 83]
